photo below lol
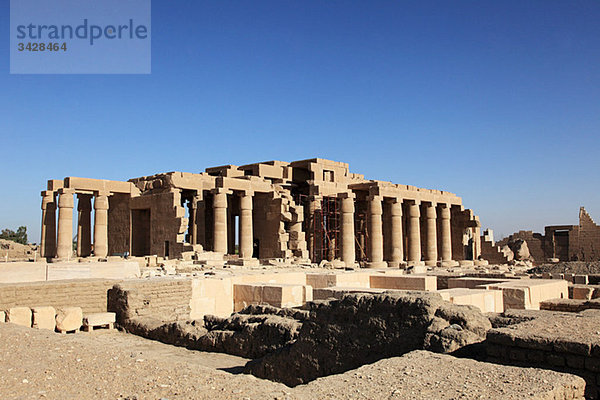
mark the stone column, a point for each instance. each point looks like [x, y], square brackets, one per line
[375, 213]
[347, 226]
[314, 247]
[48, 237]
[84, 225]
[193, 220]
[246, 236]
[220, 220]
[201, 220]
[431, 254]
[101, 224]
[64, 249]
[397, 236]
[446, 234]
[414, 234]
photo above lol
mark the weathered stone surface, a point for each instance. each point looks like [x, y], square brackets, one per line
[258, 331]
[69, 319]
[421, 375]
[44, 317]
[99, 319]
[2, 316]
[556, 340]
[363, 328]
[520, 249]
[19, 316]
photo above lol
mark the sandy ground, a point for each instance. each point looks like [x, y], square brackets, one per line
[105, 364]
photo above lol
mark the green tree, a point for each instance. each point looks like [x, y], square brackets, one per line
[20, 236]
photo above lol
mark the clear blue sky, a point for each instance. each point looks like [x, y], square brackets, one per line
[497, 101]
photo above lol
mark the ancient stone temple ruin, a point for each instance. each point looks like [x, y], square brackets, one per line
[303, 211]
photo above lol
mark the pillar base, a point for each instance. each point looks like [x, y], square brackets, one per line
[447, 264]
[431, 263]
[245, 262]
[397, 264]
[376, 264]
[466, 263]
[481, 263]
[415, 263]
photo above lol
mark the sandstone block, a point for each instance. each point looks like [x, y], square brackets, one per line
[44, 318]
[69, 319]
[404, 282]
[106, 319]
[19, 316]
[485, 300]
[342, 279]
[2, 316]
[526, 294]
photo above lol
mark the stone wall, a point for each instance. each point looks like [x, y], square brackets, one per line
[15, 272]
[535, 243]
[588, 238]
[118, 224]
[340, 335]
[162, 299]
[90, 295]
[564, 342]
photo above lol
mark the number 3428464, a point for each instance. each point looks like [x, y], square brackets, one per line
[42, 46]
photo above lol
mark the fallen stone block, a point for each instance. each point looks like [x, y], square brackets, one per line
[340, 279]
[44, 318]
[581, 292]
[69, 319]
[472, 282]
[91, 321]
[526, 294]
[278, 295]
[485, 300]
[404, 282]
[19, 316]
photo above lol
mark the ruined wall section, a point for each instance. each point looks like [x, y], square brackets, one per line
[118, 224]
[90, 295]
[588, 238]
[536, 242]
[465, 230]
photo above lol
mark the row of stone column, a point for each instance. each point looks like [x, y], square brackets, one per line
[375, 232]
[220, 230]
[58, 241]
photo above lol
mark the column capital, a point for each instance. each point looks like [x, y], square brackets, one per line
[65, 198]
[101, 201]
[246, 200]
[430, 212]
[221, 191]
[396, 206]
[346, 195]
[100, 193]
[246, 193]
[375, 205]
[445, 211]
[47, 198]
[66, 191]
[414, 210]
